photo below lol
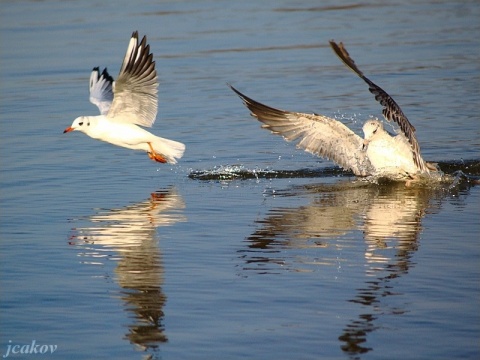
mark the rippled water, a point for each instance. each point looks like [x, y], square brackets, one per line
[248, 248]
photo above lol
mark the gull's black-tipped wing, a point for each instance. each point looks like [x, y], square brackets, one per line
[135, 92]
[391, 110]
[101, 90]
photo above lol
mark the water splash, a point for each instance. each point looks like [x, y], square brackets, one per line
[450, 172]
[240, 172]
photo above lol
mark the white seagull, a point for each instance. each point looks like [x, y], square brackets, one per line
[130, 101]
[379, 154]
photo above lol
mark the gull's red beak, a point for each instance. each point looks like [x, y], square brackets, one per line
[68, 129]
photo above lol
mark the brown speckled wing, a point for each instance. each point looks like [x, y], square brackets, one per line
[317, 134]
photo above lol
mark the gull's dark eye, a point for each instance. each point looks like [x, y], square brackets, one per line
[374, 131]
[81, 123]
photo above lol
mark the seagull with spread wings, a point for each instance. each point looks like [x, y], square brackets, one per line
[125, 104]
[378, 154]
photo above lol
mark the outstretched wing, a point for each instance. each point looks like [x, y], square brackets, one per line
[135, 93]
[391, 110]
[101, 91]
[318, 134]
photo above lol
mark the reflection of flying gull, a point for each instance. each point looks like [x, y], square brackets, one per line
[131, 232]
[379, 153]
[128, 228]
[130, 101]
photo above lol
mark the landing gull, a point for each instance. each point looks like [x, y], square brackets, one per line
[130, 101]
[378, 154]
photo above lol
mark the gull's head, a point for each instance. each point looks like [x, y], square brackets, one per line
[79, 124]
[370, 129]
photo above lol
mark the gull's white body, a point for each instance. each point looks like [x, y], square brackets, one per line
[130, 136]
[390, 156]
[378, 154]
[130, 101]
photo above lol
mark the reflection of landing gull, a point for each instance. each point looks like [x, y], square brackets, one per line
[385, 214]
[379, 154]
[309, 238]
[130, 101]
[131, 233]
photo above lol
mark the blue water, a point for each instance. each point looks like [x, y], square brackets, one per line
[106, 254]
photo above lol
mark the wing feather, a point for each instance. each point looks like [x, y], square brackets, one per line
[391, 110]
[135, 93]
[317, 134]
[101, 91]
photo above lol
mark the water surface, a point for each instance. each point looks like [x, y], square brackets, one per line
[248, 248]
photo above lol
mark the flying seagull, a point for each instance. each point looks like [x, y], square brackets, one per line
[378, 154]
[125, 104]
